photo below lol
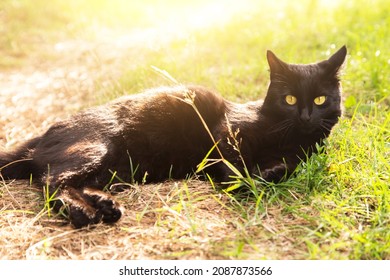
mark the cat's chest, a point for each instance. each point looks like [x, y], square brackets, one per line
[267, 145]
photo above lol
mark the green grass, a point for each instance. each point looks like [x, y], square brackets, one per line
[337, 206]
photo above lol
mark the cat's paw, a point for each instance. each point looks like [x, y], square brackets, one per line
[88, 206]
[276, 174]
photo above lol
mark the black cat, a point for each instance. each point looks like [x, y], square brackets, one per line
[160, 134]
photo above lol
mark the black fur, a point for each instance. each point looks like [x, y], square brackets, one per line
[160, 134]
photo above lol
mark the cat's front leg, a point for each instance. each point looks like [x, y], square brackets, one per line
[277, 173]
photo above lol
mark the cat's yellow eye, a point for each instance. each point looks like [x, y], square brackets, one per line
[320, 100]
[291, 99]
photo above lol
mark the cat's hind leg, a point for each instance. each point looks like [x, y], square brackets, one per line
[75, 180]
[86, 206]
[83, 202]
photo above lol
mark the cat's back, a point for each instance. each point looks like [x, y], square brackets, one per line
[158, 107]
[170, 106]
[166, 98]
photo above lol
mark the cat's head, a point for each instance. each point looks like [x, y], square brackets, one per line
[304, 98]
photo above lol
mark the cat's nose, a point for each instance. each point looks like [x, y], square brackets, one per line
[305, 116]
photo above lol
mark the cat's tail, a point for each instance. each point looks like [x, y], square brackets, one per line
[18, 164]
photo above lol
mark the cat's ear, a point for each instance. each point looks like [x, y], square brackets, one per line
[276, 65]
[334, 63]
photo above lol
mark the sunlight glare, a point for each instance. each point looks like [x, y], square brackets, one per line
[175, 21]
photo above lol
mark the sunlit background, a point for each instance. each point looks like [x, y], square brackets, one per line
[215, 42]
[152, 22]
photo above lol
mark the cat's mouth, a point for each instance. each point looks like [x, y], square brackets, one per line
[308, 128]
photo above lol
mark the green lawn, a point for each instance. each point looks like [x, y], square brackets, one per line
[338, 204]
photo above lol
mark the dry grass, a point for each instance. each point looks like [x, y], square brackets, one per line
[172, 220]
[50, 87]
